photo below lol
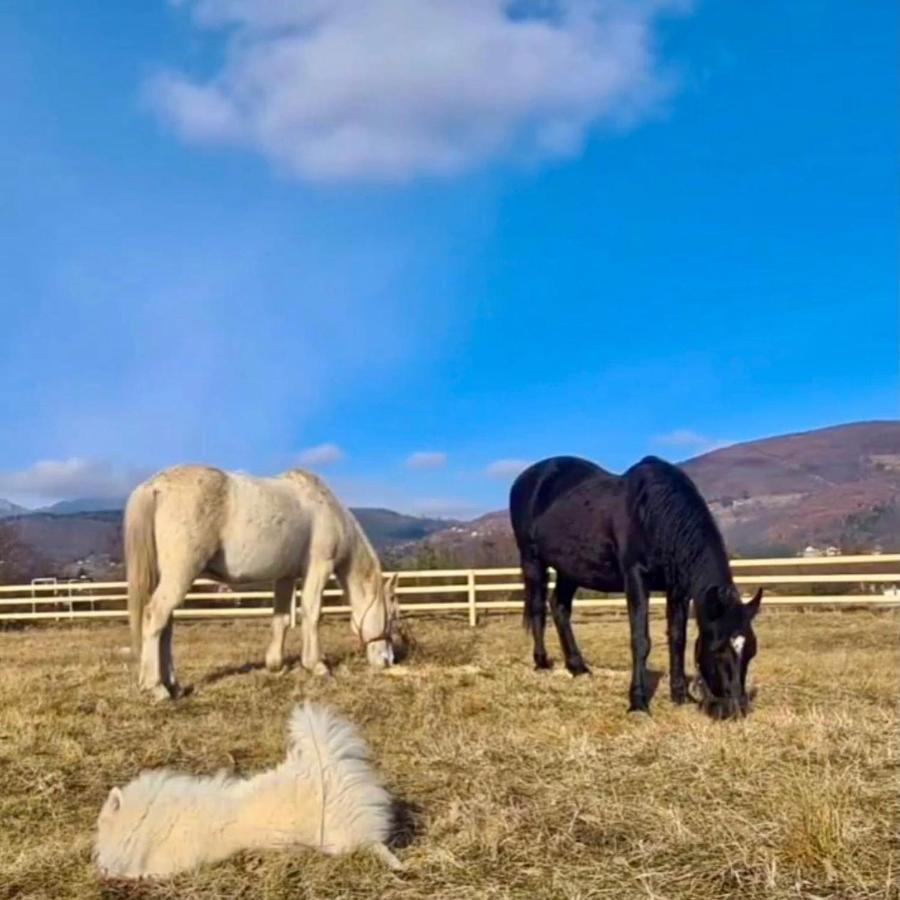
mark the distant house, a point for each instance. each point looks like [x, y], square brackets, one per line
[812, 552]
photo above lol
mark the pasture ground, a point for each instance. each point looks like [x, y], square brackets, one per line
[528, 784]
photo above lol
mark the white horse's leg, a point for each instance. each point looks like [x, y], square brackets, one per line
[281, 614]
[168, 595]
[316, 578]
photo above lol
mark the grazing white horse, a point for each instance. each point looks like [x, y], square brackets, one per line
[192, 521]
[324, 795]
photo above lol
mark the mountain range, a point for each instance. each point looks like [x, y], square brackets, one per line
[10, 509]
[64, 507]
[77, 535]
[834, 486]
[837, 486]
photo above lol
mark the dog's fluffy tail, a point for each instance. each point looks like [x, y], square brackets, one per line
[354, 809]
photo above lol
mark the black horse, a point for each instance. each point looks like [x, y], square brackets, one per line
[646, 530]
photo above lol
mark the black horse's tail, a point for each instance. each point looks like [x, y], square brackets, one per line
[521, 497]
[535, 605]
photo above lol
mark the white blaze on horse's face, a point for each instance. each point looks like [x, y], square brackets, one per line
[738, 644]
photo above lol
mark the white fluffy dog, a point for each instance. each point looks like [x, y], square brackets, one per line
[325, 795]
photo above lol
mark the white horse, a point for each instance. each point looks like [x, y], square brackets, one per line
[192, 521]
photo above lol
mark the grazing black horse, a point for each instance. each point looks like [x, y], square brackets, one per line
[646, 530]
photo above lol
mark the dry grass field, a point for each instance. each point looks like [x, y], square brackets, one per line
[526, 785]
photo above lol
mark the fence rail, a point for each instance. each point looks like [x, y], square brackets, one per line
[869, 581]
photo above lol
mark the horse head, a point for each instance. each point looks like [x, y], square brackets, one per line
[725, 646]
[378, 627]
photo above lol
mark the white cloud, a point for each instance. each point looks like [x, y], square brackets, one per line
[426, 459]
[691, 441]
[320, 455]
[681, 437]
[69, 479]
[506, 468]
[393, 89]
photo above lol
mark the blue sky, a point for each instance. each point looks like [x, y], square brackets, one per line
[251, 235]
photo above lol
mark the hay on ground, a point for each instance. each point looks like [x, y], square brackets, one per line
[519, 784]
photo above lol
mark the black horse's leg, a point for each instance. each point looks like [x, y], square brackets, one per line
[676, 621]
[534, 573]
[638, 617]
[561, 608]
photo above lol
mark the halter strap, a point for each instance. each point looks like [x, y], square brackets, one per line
[383, 635]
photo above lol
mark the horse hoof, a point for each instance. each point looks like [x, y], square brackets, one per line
[321, 670]
[577, 668]
[543, 663]
[638, 703]
[160, 694]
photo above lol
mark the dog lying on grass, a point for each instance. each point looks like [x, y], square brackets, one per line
[324, 795]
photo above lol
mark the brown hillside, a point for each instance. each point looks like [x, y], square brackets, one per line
[802, 463]
[835, 486]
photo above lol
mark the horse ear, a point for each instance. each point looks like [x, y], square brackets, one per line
[752, 608]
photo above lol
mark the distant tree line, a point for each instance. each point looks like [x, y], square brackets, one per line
[489, 551]
[18, 561]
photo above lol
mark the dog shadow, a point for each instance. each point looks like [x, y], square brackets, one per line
[408, 822]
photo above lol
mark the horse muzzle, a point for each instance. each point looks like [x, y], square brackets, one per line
[380, 654]
[731, 706]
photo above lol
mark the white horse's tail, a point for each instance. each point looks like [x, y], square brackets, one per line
[140, 558]
[355, 811]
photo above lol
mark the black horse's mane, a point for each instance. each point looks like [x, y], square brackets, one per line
[682, 537]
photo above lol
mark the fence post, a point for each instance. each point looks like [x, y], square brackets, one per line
[473, 609]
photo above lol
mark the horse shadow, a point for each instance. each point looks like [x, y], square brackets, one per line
[652, 679]
[404, 650]
[246, 668]
[334, 661]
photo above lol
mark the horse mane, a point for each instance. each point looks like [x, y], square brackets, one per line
[366, 565]
[680, 534]
[369, 564]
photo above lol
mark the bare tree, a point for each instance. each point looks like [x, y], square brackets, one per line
[18, 561]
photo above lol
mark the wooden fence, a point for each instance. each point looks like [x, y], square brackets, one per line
[826, 581]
